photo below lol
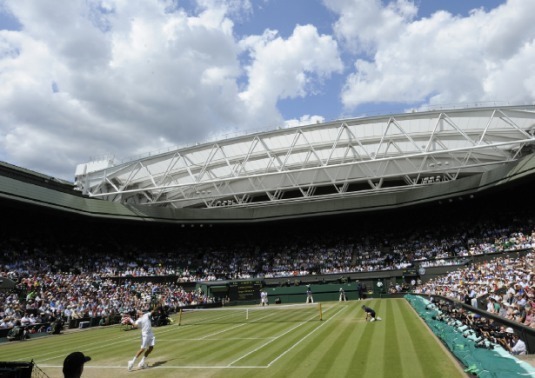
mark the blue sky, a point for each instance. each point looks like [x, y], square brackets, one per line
[283, 15]
[101, 78]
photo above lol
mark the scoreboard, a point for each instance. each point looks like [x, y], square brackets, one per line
[244, 290]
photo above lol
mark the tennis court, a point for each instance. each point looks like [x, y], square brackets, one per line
[331, 340]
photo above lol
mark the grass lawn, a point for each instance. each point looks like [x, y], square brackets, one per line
[269, 344]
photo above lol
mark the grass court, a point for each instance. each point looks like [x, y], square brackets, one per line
[259, 343]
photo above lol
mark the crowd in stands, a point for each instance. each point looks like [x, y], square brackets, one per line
[42, 299]
[71, 275]
[486, 332]
[504, 286]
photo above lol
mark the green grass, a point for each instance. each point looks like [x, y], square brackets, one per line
[342, 345]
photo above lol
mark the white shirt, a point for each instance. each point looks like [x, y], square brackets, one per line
[519, 347]
[144, 323]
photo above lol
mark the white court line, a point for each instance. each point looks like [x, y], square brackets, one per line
[223, 331]
[275, 338]
[228, 366]
[96, 346]
[215, 339]
[299, 342]
[163, 367]
[263, 345]
[235, 326]
[123, 339]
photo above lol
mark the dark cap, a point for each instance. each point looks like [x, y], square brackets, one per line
[73, 362]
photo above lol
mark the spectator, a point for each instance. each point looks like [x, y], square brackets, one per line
[73, 365]
[516, 346]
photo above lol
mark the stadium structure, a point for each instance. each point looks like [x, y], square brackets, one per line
[344, 166]
[359, 166]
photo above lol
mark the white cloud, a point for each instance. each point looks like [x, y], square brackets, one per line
[287, 68]
[101, 77]
[304, 120]
[514, 78]
[442, 59]
[364, 24]
[115, 77]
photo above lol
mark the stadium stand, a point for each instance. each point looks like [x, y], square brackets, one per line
[467, 240]
[95, 270]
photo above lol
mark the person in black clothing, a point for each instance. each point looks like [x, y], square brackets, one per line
[73, 365]
[361, 288]
[310, 298]
[370, 314]
[56, 326]
[160, 317]
[18, 332]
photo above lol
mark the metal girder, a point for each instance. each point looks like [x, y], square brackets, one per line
[335, 159]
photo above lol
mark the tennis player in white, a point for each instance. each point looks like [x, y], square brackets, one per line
[264, 298]
[147, 338]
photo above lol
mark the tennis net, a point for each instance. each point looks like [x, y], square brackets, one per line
[257, 314]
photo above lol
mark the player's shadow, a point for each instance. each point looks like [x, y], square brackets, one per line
[159, 363]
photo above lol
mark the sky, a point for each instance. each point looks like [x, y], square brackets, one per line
[84, 80]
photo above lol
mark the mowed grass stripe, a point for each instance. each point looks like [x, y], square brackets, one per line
[376, 332]
[331, 337]
[417, 339]
[295, 340]
[296, 335]
[197, 350]
[342, 345]
[362, 354]
[208, 344]
[357, 342]
[247, 337]
[431, 357]
[408, 367]
[345, 334]
[309, 356]
[392, 350]
[219, 352]
[56, 347]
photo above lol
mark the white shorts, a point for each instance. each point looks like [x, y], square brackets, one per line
[147, 341]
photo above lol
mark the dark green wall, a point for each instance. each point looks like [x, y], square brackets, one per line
[321, 293]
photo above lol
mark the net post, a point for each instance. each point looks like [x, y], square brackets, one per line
[247, 314]
[180, 317]
[321, 313]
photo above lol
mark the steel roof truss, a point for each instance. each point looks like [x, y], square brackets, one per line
[166, 177]
[272, 157]
[511, 123]
[337, 157]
